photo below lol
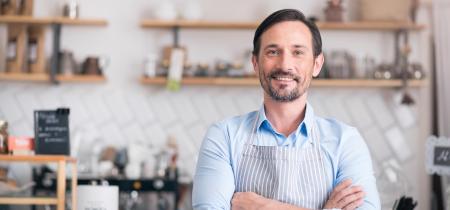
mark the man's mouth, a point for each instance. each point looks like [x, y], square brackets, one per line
[284, 77]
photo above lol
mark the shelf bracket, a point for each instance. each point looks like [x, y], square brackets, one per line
[56, 28]
[397, 49]
[176, 37]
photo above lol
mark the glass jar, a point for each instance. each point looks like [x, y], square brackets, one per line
[3, 137]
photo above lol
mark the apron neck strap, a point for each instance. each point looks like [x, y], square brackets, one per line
[254, 130]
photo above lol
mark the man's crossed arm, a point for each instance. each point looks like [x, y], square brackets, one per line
[344, 196]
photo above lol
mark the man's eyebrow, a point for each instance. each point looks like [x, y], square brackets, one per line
[294, 46]
[300, 46]
[271, 46]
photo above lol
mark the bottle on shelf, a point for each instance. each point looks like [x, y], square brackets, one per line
[3, 137]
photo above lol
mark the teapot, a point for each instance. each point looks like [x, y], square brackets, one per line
[95, 65]
[67, 64]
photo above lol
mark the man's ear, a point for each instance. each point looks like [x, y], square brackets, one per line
[255, 64]
[318, 63]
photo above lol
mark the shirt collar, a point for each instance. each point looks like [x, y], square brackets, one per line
[304, 127]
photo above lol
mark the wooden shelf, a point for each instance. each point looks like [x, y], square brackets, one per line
[25, 19]
[198, 24]
[394, 83]
[24, 77]
[369, 25]
[28, 201]
[37, 158]
[51, 20]
[252, 25]
[80, 21]
[223, 81]
[81, 78]
[204, 81]
[46, 78]
[61, 180]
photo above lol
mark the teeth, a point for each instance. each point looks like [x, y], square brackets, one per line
[284, 78]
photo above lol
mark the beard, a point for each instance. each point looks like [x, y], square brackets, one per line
[281, 94]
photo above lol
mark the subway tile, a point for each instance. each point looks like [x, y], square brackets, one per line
[398, 143]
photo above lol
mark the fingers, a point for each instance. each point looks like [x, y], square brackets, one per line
[345, 184]
[348, 194]
[354, 205]
[341, 186]
[352, 200]
[332, 201]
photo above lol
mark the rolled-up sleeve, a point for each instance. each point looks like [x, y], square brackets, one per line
[355, 163]
[213, 185]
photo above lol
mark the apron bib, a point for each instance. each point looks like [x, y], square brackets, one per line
[290, 175]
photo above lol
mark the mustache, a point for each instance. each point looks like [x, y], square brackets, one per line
[281, 73]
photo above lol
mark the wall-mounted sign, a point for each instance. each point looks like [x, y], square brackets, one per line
[51, 129]
[438, 155]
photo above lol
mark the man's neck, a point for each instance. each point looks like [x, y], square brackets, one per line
[285, 117]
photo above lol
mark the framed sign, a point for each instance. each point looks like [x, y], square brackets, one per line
[51, 130]
[438, 155]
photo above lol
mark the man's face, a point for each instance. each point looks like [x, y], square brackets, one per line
[285, 63]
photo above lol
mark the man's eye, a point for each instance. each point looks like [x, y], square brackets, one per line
[298, 52]
[272, 52]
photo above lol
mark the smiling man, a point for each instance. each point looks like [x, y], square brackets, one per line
[283, 156]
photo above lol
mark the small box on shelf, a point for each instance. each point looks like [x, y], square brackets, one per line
[20, 145]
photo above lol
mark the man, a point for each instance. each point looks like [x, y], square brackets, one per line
[283, 156]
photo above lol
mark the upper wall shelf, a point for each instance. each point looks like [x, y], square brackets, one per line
[46, 78]
[52, 20]
[225, 81]
[367, 25]
[9, 19]
[83, 21]
[56, 24]
[198, 24]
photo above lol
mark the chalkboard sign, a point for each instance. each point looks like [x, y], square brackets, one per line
[51, 130]
[438, 155]
[442, 156]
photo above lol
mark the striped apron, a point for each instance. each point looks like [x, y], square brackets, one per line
[291, 175]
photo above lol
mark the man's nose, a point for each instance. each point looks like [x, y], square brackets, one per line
[286, 62]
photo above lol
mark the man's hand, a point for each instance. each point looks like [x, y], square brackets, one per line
[248, 201]
[345, 197]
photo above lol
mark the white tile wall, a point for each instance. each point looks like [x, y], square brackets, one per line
[122, 110]
[119, 116]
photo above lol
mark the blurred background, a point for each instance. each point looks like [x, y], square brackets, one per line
[144, 79]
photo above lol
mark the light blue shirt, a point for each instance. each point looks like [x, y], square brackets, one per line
[346, 155]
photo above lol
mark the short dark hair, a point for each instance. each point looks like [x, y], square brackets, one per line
[287, 15]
